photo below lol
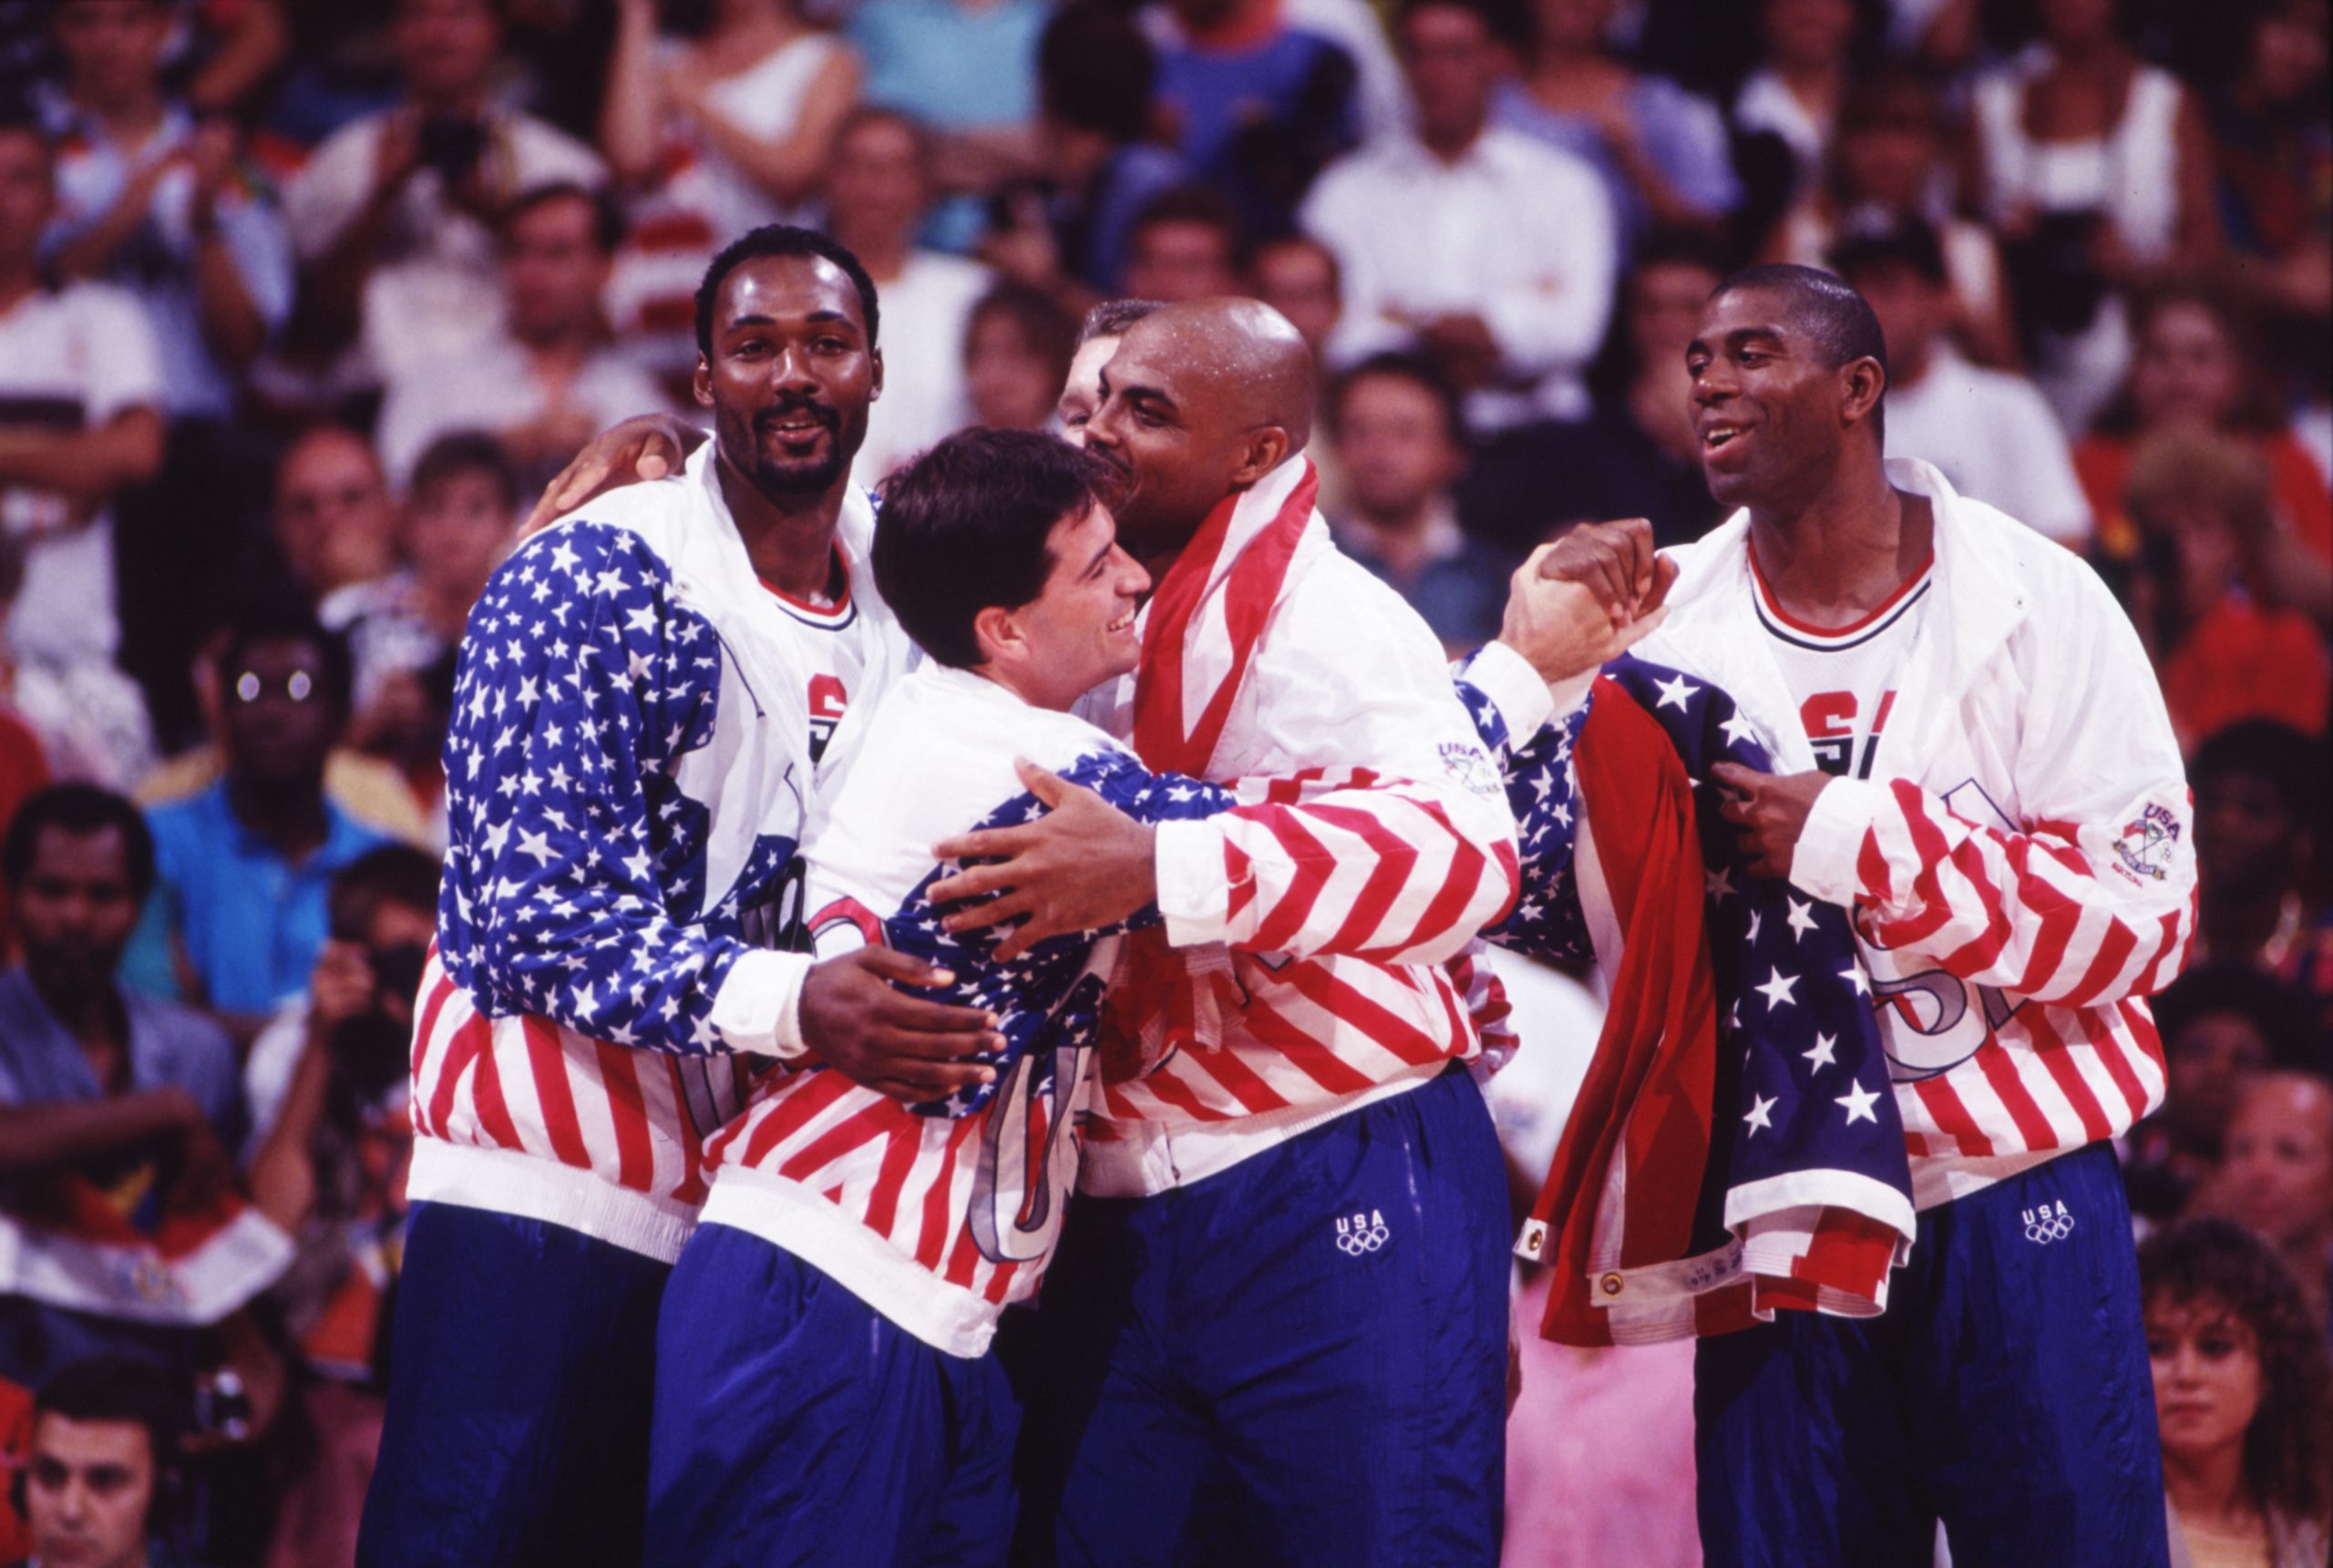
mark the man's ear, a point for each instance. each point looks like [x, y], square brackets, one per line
[875, 387]
[701, 383]
[997, 632]
[1861, 383]
[1266, 448]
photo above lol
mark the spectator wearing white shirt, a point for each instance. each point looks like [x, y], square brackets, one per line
[1991, 433]
[878, 192]
[393, 218]
[1490, 252]
[552, 376]
[80, 419]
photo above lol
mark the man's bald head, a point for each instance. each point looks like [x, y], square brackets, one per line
[1200, 401]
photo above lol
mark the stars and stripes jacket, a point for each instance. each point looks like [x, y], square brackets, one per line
[938, 1215]
[2021, 874]
[1303, 968]
[628, 775]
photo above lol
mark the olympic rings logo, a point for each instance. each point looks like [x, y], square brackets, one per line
[1359, 1234]
[2048, 1224]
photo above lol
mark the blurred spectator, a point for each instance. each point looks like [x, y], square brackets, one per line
[24, 47]
[550, 379]
[1097, 340]
[242, 867]
[1500, 264]
[335, 520]
[1661, 150]
[151, 202]
[80, 419]
[403, 630]
[2223, 1025]
[2096, 169]
[393, 218]
[1186, 244]
[1018, 345]
[722, 128]
[966, 70]
[1096, 77]
[2259, 823]
[2273, 151]
[2276, 1175]
[232, 51]
[1297, 276]
[2203, 598]
[1888, 163]
[86, 723]
[1987, 430]
[2243, 1393]
[1401, 444]
[1636, 456]
[168, 211]
[330, 1170]
[876, 194]
[96, 1081]
[1255, 97]
[101, 1482]
[1784, 111]
[2195, 368]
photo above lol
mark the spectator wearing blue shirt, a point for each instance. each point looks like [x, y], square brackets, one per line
[243, 866]
[1257, 101]
[967, 71]
[94, 1080]
[1401, 444]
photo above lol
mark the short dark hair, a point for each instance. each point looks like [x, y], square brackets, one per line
[1048, 329]
[606, 214]
[965, 527]
[1097, 72]
[1204, 205]
[287, 622]
[1502, 22]
[1111, 318]
[80, 809]
[466, 452]
[393, 874]
[2291, 763]
[1902, 240]
[782, 240]
[1827, 309]
[118, 1387]
[1418, 372]
[2260, 999]
[2288, 1444]
[1297, 240]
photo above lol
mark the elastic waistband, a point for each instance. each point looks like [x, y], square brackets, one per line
[507, 1182]
[1138, 1159]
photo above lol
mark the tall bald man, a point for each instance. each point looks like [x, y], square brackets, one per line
[1286, 1258]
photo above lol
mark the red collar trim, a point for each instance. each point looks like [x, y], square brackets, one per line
[1775, 609]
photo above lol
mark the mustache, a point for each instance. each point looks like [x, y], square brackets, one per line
[824, 413]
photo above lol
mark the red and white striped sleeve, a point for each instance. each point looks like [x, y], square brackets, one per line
[1385, 833]
[2094, 900]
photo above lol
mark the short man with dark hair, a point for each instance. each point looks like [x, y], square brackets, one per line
[103, 1459]
[1186, 244]
[645, 693]
[96, 1083]
[1978, 768]
[838, 1303]
[1097, 340]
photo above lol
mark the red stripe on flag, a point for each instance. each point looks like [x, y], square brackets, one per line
[620, 1076]
[473, 1039]
[425, 1025]
[1952, 1117]
[900, 1149]
[548, 1066]
[861, 1127]
[1994, 1061]
[1319, 985]
[930, 1242]
[1394, 859]
[486, 1095]
[2051, 1047]
[2114, 951]
[1310, 864]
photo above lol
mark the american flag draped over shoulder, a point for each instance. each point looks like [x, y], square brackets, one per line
[1735, 1148]
[134, 1242]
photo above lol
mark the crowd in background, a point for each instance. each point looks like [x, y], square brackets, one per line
[303, 300]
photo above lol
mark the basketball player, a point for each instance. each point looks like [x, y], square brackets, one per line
[644, 695]
[1979, 769]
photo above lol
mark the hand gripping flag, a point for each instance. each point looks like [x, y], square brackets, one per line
[1735, 1148]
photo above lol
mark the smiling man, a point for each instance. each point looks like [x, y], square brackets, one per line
[1981, 772]
[644, 694]
[836, 1304]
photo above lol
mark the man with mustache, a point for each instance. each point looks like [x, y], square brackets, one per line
[1980, 770]
[645, 695]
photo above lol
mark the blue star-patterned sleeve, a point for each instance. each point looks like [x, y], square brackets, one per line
[573, 887]
[1041, 1000]
[1547, 921]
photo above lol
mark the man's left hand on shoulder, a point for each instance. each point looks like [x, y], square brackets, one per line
[1769, 811]
[1082, 866]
